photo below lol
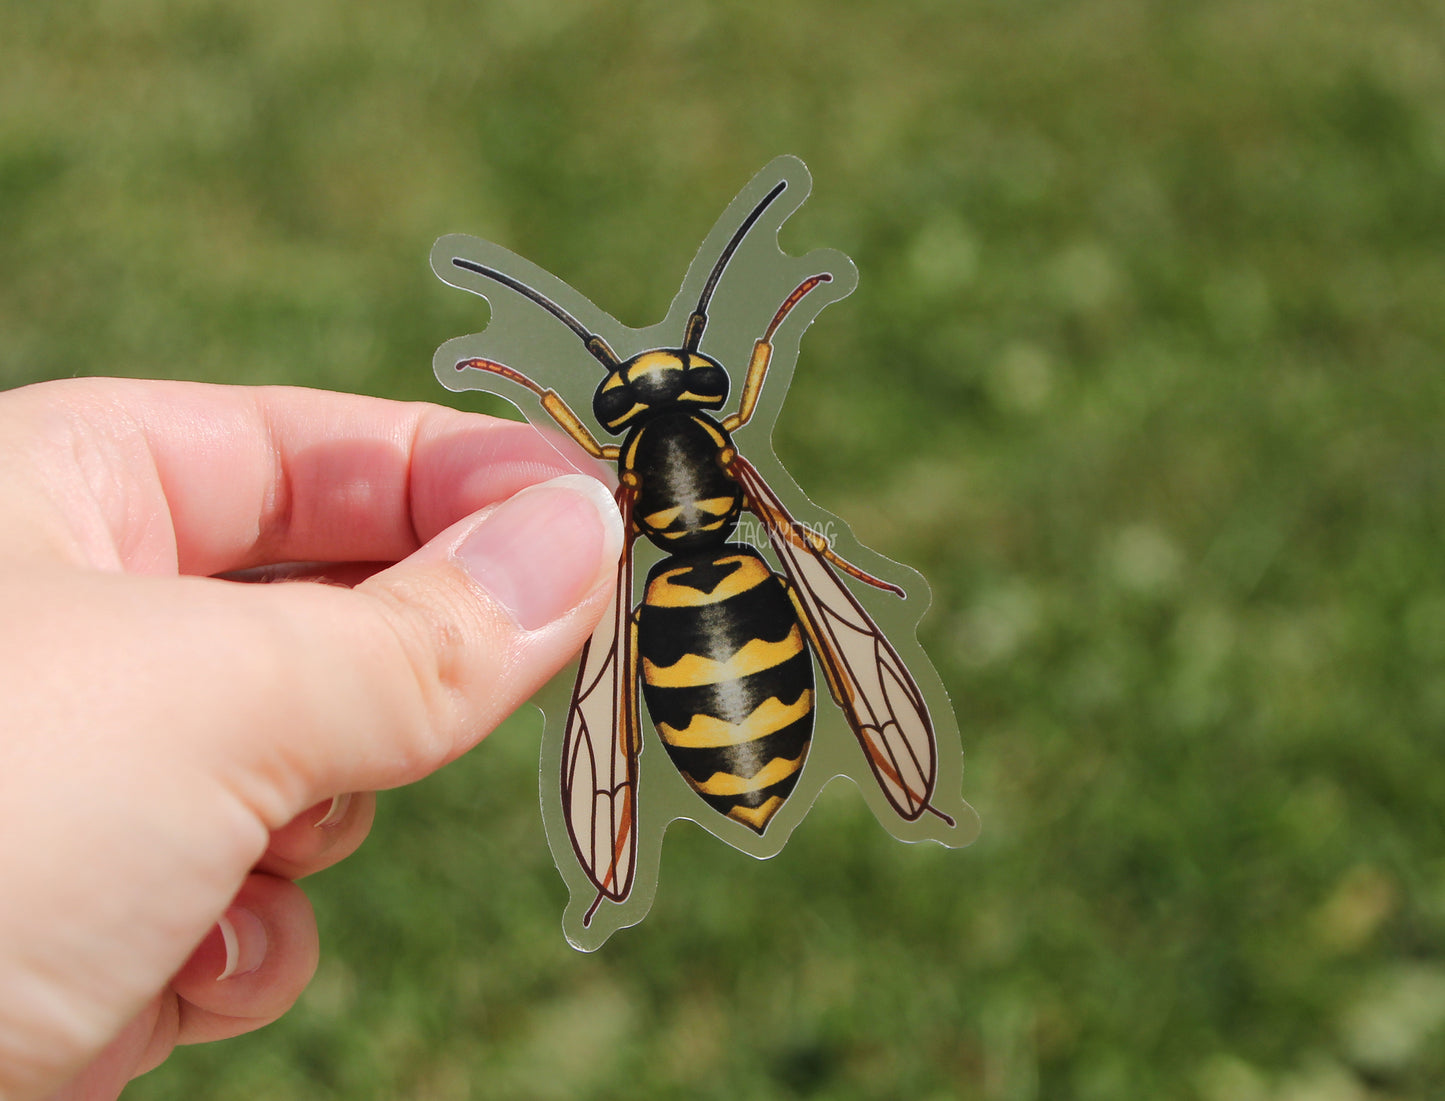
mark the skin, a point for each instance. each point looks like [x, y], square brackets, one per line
[175, 742]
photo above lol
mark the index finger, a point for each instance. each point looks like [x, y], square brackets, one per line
[163, 476]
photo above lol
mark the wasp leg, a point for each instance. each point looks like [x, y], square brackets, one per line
[763, 356]
[558, 409]
[631, 686]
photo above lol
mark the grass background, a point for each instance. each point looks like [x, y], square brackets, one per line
[1144, 373]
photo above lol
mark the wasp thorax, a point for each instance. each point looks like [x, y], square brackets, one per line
[653, 381]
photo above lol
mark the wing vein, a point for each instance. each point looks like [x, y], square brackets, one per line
[883, 704]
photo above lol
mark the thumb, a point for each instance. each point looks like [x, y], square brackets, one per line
[419, 662]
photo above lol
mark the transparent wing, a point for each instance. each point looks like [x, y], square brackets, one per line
[601, 743]
[867, 678]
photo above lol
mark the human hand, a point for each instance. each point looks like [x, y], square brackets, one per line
[174, 742]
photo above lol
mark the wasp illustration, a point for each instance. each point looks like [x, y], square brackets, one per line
[721, 647]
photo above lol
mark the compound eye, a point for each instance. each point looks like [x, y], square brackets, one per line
[708, 381]
[613, 402]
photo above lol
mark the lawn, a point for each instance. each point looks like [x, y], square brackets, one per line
[1145, 372]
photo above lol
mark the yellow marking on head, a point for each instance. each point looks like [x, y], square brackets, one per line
[614, 380]
[723, 783]
[637, 407]
[693, 670]
[663, 593]
[706, 732]
[757, 817]
[654, 361]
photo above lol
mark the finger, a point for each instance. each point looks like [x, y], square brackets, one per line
[319, 836]
[147, 1039]
[163, 476]
[252, 967]
[249, 970]
[321, 689]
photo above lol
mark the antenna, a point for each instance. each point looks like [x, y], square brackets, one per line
[698, 321]
[595, 344]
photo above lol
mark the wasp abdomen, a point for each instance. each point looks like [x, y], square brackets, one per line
[728, 679]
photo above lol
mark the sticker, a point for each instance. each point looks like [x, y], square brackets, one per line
[754, 651]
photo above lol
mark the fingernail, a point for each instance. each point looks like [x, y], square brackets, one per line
[340, 804]
[544, 549]
[245, 940]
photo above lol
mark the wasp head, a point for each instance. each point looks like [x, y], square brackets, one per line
[653, 381]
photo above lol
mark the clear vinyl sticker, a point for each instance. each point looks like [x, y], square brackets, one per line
[754, 651]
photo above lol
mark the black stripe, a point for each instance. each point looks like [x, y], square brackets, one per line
[731, 701]
[746, 759]
[752, 799]
[717, 630]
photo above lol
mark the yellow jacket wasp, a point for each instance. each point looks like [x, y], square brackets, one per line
[721, 647]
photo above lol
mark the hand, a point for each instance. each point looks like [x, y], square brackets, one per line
[178, 749]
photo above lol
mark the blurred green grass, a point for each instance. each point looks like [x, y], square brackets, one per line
[1144, 373]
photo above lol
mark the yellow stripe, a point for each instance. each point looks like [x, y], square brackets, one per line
[717, 437]
[706, 732]
[751, 572]
[693, 670]
[715, 506]
[710, 506]
[722, 783]
[648, 362]
[683, 533]
[662, 517]
[757, 817]
[637, 407]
